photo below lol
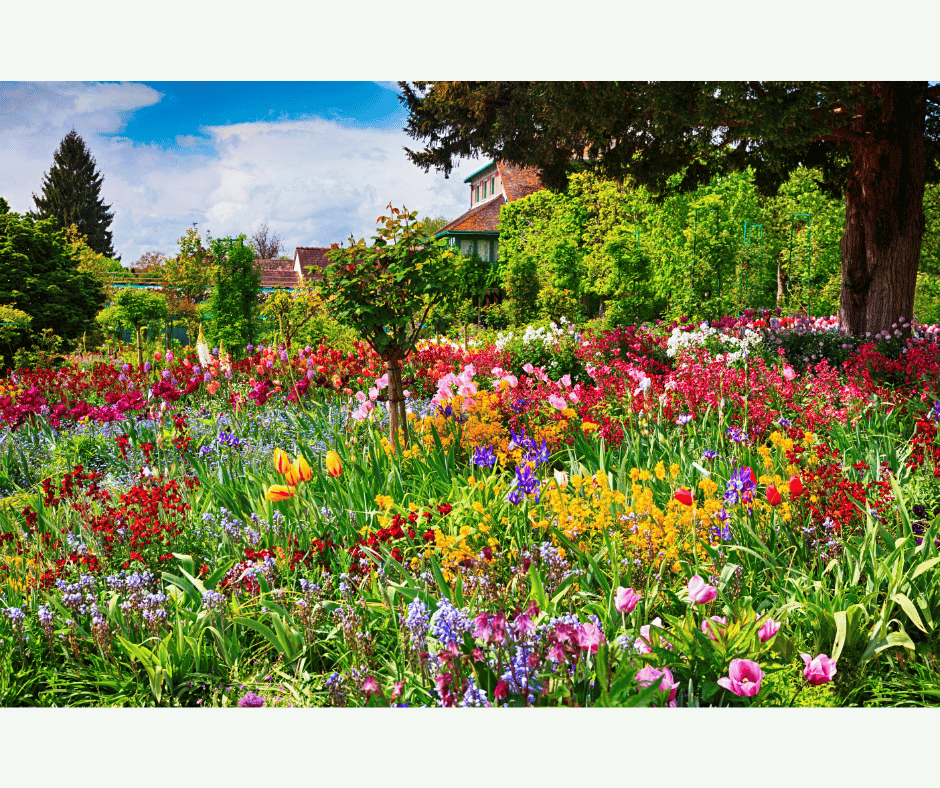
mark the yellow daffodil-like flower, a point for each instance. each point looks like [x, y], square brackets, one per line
[334, 465]
[279, 492]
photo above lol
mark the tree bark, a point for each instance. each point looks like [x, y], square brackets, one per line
[396, 403]
[140, 348]
[884, 209]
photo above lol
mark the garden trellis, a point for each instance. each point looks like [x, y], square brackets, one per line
[748, 273]
[804, 282]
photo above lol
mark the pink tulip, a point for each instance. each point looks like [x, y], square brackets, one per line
[683, 496]
[788, 372]
[743, 678]
[625, 600]
[773, 496]
[796, 486]
[590, 637]
[642, 644]
[818, 671]
[649, 675]
[768, 629]
[557, 402]
[707, 627]
[700, 593]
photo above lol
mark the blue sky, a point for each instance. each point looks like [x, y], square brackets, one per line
[315, 161]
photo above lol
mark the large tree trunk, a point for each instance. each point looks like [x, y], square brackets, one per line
[884, 209]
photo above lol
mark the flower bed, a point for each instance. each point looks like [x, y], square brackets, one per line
[707, 516]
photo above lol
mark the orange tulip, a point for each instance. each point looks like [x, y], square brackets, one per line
[279, 492]
[334, 466]
[281, 462]
[299, 471]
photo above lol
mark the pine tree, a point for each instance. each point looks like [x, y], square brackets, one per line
[71, 194]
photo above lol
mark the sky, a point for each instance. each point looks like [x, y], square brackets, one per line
[315, 161]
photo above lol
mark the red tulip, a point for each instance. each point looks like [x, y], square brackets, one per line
[796, 486]
[773, 496]
[684, 496]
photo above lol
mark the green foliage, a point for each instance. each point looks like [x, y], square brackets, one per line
[234, 300]
[39, 276]
[71, 194]
[386, 291]
[136, 308]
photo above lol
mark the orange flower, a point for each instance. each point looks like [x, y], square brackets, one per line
[299, 471]
[279, 492]
[334, 466]
[281, 462]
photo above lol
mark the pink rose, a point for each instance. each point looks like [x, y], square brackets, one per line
[743, 678]
[700, 593]
[818, 671]
[625, 600]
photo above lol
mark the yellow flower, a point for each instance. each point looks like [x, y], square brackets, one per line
[281, 461]
[279, 492]
[660, 470]
[299, 471]
[334, 465]
[588, 426]
[384, 501]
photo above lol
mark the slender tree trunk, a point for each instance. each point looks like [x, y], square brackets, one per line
[884, 210]
[140, 348]
[396, 403]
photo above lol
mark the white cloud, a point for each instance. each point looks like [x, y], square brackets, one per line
[313, 181]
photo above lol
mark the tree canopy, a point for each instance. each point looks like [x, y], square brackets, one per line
[71, 194]
[874, 142]
[39, 275]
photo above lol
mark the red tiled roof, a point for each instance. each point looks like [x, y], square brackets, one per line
[313, 260]
[484, 218]
[274, 265]
[278, 279]
[519, 182]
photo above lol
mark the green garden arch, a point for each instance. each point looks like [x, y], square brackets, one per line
[748, 273]
[804, 282]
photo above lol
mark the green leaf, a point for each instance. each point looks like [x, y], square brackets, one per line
[908, 607]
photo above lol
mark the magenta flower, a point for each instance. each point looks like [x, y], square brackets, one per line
[483, 630]
[743, 678]
[768, 629]
[642, 644]
[707, 627]
[650, 675]
[590, 637]
[700, 593]
[626, 599]
[370, 686]
[818, 671]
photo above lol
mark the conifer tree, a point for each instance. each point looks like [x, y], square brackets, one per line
[71, 194]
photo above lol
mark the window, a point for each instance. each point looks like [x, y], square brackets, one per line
[478, 195]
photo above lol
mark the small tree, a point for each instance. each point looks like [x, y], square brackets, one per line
[266, 243]
[234, 300]
[137, 308]
[385, 291]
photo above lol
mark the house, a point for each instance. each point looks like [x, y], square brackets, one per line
[309, 262]
[276, 274]
[492, 187]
